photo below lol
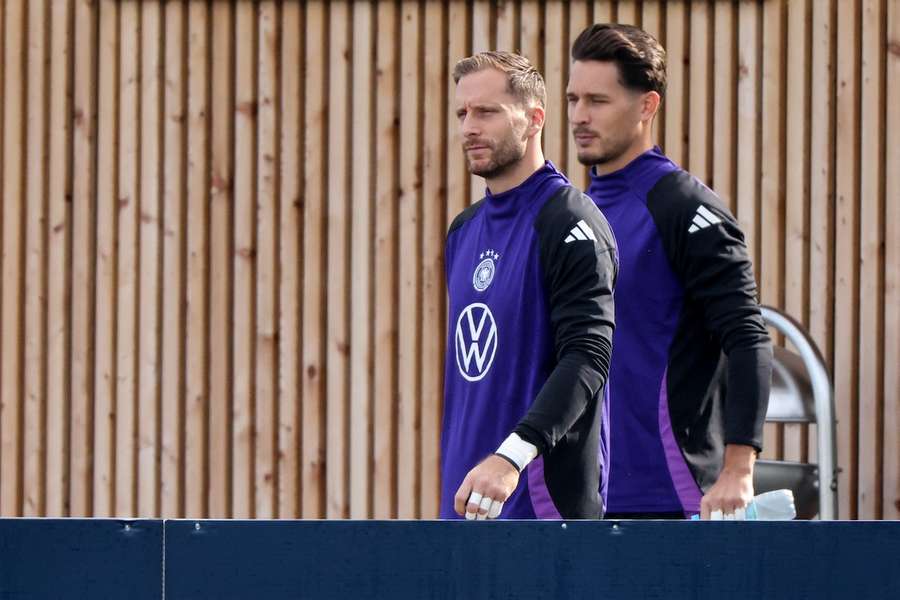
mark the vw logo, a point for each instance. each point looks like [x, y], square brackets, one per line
[476, 341]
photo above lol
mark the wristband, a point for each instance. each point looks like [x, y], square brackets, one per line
[517, 451]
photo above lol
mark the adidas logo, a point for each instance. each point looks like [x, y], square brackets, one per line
[702, 219]
[581, 231]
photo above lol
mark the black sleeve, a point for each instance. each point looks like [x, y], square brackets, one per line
[579, 263]
[707, 251]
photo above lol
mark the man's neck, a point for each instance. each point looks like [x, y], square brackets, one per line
[623, 160]
[525, 168]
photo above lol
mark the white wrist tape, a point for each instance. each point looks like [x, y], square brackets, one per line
[518, 450]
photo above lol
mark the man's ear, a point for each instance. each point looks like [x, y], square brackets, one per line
[650, 105]
[536, 116]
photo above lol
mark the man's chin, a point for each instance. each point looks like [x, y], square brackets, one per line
[486, 170]
[591, 159]
[478, 166]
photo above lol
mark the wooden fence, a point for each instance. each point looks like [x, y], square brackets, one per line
[222, 227]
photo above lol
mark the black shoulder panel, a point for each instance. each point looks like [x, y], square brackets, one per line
[463, 217]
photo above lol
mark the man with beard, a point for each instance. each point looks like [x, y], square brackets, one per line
[689, 381]
[530, 273]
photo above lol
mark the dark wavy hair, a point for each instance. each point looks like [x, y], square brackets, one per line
[641, 59]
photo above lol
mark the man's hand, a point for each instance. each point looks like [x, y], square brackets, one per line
[732, 492]
[486, 488]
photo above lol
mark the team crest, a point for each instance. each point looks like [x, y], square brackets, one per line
[484, 272]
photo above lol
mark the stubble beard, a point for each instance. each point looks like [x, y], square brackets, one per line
[504, 155]
[601, 157]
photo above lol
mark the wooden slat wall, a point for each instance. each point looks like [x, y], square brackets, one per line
[222, 230]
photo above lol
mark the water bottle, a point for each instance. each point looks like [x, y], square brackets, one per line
[777, 505]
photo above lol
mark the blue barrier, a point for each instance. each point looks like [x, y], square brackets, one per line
[93, 559]
[628, 559]
[273, 560]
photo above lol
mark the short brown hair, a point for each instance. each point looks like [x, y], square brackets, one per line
[522, 80]
[641, 59]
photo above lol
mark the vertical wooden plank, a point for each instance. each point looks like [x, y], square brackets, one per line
[433, 228]
[128, 294]
[35, 340]
[457, 171]
[244, 306]
[891, 488]
[604, 11]
[846, 318]
[2, 147]
[107, 209]
[797, 158]
[409, 344]
[338, 342]
[797, 168]
[724, 104]
[384, 473]
[531, 29]
[579, 20]
[196, 445]
[506, 25]
[628, 12]
[361, 246]
[290, 292]
[653, 21]
[14, 130]
[174, 242]
[149, 261]
[314, 265]
[653, 18]
[748, 111]
[772, 152]
[221, 274]
[481, 41]
[481, 26]
[34, 385]
[677, 90]
[871, 265]
[84, 198]
[771, 265]
[821, 191]
[266, 470]
[556, 133]
[58, 241]
[701, 107]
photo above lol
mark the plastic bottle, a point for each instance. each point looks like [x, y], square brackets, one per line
[777, 505]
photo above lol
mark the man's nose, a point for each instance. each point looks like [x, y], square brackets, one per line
[577, 112]
[469, 127]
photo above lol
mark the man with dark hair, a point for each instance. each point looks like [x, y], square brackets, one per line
[689, 380]
[530, 272]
